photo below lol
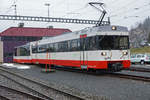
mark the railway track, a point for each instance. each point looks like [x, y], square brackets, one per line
[3, 98]
[7, 93]
[32, 91]
[43, 89]
[133, 77]
[139, 69]
[118, 75]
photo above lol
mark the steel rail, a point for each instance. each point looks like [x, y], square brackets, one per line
[30, 89]
[139, 69]
[20, 92]
[133, 77]
[3, 97]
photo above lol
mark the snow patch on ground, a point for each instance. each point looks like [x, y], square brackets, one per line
[23, 67]
[10, 65]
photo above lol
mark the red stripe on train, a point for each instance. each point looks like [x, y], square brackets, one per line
[73, 63]
[83, 36]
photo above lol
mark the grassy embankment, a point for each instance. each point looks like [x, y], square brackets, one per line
[145, 49]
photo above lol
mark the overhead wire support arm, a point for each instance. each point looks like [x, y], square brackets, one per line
[101, 18]
[50, 19]
[100, 21]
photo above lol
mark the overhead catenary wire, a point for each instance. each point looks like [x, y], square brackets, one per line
[122, 12]
[131, 3]
[134, 14]
[76, 11]
[11, 7]
[131, 10]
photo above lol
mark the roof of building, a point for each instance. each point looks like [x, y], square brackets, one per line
[29, 31]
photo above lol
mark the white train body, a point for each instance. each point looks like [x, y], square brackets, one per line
[103, 47]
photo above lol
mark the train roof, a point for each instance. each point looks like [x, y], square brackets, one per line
[90, 31]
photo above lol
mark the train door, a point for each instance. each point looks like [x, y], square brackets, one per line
[83, 53]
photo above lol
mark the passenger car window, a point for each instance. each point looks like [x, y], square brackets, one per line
[138, 56]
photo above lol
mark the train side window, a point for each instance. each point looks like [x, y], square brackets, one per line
[69, 45]
[78, 43]
[51, 48]
[63, 46]
[92, 45]
[60, 46]
[81, 44]
[42, 48]
[87, 44]
[55, 47]
[74, 45]
[84, 44]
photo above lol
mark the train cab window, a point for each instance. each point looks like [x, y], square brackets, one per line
[23, 51]
[113, 42]
[34, 49]
[123, 43]
[106, 42]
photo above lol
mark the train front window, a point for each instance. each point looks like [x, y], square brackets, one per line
[22, 51]
[123, 43]
[113, 42]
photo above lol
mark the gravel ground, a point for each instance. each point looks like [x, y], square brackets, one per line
[112, 88]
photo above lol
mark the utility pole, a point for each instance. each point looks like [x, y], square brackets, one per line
[15, 8]
[47, 4]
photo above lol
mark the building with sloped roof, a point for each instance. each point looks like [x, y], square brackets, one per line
[16, 36]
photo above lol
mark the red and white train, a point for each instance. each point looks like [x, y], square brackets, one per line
[102, 47]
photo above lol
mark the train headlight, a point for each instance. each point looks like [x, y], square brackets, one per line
[125, 53]
[103, 53]
[114, 28]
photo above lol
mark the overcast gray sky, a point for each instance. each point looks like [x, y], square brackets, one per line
[122, 12]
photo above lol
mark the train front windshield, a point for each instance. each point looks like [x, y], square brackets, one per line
[113, 42]
[22, 51]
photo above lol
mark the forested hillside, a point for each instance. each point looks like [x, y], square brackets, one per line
[141, 34]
